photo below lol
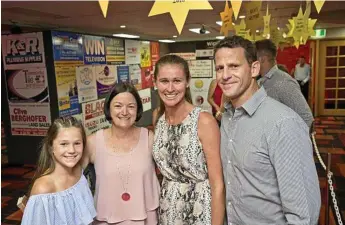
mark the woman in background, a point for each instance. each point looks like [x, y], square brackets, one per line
[185, 152]
[214, 97]
[59, 193]
[127, 188]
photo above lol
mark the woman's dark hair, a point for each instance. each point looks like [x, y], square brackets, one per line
[172, 60]
[121, 88]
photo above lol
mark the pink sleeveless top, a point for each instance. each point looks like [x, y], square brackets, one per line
[143, 185]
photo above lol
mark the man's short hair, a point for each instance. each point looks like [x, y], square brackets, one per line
[266, 47]
[238, 42]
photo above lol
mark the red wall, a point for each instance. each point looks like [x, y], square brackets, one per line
[289, 55]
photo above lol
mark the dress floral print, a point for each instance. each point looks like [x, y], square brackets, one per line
[185, 194]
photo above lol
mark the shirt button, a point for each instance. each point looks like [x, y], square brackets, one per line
[231, 140]
[228, 182]
[229, 203]
[229, 162]
[229, 119]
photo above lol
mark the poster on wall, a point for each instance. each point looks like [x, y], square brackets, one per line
[200, 68]
[199, 90]
[154, 54]
[132, 52]
[145, 96]
[93, 116]
[123, 74]
[86, 83]
[27, 85]
[135, 75]
[105, 77]
[145, 54]
[115, 51]
[22, 51]
[67, 90]
[94, 50]
[146, 77]
[204, 49]
[67, 48]
[30, 119]
[185, 55]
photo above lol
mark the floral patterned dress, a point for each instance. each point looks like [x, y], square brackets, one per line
[185, 195]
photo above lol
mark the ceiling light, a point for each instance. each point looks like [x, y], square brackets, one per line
[166, 41]
[220, 23]
[257, 31]
[197, 30]
[220, 37]
[278, 28]
[123, 26]
[175, 36]
[242, 17]
[126, 36]
[145, 42]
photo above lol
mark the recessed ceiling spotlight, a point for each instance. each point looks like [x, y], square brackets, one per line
[242, 17]
[175, 36]
[126, 36]
[123, 26]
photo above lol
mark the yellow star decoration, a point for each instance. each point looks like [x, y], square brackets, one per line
[104, 6]
[267, 20]
[227, 20]
[318, 5]
[178, 9]
[301, 27]
[276, 35]
[236, 6]
[297, 28]
[253, 15]
[241, 30]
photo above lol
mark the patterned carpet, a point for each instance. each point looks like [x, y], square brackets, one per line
[330, 138]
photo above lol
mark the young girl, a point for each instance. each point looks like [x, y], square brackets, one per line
[59, 193]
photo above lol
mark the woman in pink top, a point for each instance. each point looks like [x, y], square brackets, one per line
[127, 189]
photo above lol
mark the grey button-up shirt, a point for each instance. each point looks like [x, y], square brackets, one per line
[269, 172]
[283, 88]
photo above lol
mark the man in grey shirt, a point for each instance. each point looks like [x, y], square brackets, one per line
[280, 85]
[267, 156]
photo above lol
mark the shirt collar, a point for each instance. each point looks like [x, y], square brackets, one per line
[251, 105]
[270, 73]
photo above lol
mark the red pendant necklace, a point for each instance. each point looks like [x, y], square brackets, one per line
[125, 195]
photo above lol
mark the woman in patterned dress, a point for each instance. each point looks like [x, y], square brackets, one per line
[186, 150]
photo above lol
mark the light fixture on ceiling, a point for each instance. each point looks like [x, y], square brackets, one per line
[166, 41]
[242, 17]
[220, 23]
[278, 28]
[126, 36]
[220, 37]
[257, 31]
[123, 26]
[175, 36]
[197, 30]
[145, 42]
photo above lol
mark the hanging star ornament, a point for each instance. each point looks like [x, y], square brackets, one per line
[297, 27]
[253, 18]
[308, 23]
[241, 30]
[267, 20]
[226, 17]
[276, 35]
[104, 6]
[236, 6]
[178, 9]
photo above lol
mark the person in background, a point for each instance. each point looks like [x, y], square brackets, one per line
[59, 193]
[266, 151]
[302, 75]
[186, 154]
[214, 97]
[279, 84]
[127, 188]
